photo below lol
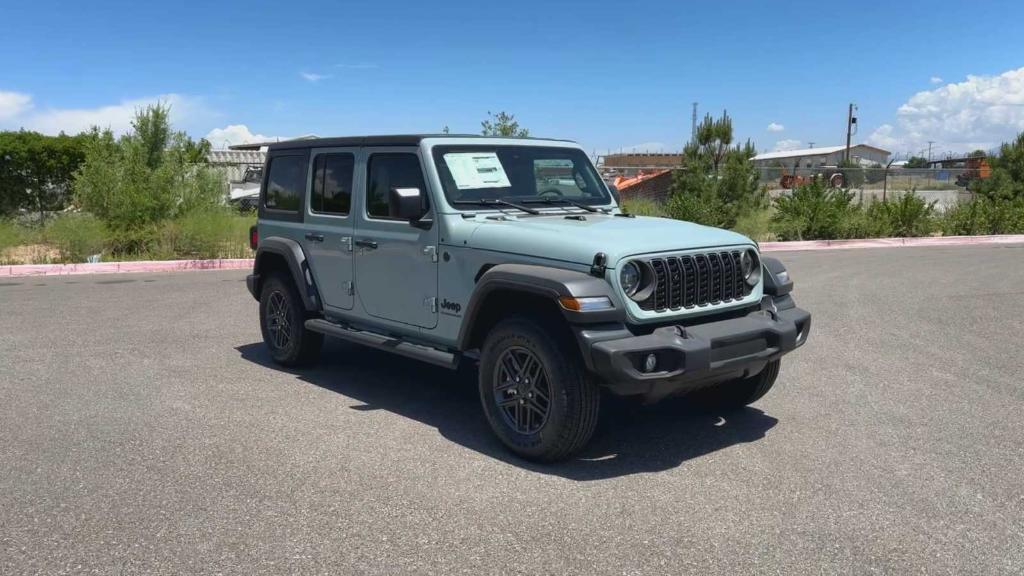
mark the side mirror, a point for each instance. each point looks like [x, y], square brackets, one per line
[406, 204]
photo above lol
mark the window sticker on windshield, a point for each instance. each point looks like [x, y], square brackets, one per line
[476, 170]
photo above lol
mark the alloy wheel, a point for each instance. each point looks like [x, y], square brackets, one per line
[279, 322]
[522, 391]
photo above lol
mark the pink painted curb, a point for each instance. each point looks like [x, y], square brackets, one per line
[246, 263]
[121, 267]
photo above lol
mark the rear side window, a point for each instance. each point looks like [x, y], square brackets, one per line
[332, 183]
[286, 183]
[387, 171]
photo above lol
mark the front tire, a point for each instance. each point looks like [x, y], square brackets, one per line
[537, 395]
[283, 323]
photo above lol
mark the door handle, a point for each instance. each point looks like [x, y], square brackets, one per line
[313, 237]
[371, 244]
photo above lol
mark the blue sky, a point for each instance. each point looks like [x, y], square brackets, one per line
[608, 74]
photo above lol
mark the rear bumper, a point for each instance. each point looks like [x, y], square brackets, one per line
[691, 357]
[252, 282]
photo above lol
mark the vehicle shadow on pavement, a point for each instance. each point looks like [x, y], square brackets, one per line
[630, 439]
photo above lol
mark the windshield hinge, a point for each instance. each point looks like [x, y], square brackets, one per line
[431, 303]
[430, 251]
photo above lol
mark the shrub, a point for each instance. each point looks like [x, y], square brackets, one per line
[211, 234]
[76, 236]
[702, 207]
[908, 215]
[755, 225]
[868, 221]
[811, 212]
[984, 216]
[644, 207]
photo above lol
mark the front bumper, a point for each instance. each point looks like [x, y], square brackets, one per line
[691, 357]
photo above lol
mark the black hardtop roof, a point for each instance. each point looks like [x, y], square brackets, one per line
[387, 140]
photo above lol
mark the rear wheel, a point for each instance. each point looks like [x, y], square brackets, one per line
[741, 392]
[536, 393]
[282, 321]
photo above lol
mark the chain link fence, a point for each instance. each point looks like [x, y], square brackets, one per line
[945, 186]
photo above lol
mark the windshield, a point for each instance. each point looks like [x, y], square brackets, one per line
[519, 174]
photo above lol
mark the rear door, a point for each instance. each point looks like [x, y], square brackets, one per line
[327, 237]
[396, 263]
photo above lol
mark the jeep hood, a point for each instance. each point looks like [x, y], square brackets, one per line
[577, 241]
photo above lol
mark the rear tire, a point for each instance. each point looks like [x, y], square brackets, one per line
[283, 323]
[535, 391]
[736, 394]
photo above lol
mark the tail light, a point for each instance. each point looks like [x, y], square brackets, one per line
[254, 237]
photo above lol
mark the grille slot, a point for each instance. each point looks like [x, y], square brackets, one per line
[696, 280]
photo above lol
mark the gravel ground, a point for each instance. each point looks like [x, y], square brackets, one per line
[143, 430]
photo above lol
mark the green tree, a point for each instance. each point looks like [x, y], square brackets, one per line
[503, 124]
[917, 162]
[718, 182]
[145, 177]
[1007, 180]
[36, 171]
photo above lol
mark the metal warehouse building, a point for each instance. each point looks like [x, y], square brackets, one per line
[825, 156]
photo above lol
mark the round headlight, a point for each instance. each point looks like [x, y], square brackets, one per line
[750, 266]
[630, 278]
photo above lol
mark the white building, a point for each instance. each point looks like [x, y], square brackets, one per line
[824, 156]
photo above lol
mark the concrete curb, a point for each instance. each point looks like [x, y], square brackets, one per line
[246, 263]
[890, 243]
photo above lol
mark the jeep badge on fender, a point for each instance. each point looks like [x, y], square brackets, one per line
[548, 284]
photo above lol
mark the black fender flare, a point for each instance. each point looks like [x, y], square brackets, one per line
[292, 253]
[544, 281]
[772, 286]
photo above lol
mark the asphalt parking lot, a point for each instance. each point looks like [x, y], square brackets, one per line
[143, 430]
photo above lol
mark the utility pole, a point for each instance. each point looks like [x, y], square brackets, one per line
[930, 142]
[693, 124]
[850, 121]
[810, 144]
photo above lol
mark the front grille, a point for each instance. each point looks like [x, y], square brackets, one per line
[696, 280]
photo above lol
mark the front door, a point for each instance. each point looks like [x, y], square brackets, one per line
[396, 262]
[328, 227]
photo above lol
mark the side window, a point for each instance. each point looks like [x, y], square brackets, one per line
[387, 171]
[332, 183]
[286, 183]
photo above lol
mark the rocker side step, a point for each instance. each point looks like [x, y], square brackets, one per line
[387, 343]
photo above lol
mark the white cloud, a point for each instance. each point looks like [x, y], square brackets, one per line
[980, 112]
[935, 80]
[13, 104]
[775, 127]
[236, 134]
[313, 77]
[786, 145]
[116, 117]
[882, 137]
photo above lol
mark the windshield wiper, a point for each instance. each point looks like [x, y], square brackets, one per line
[497, 202]
[579, 205]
